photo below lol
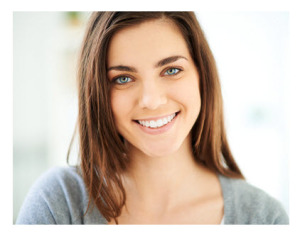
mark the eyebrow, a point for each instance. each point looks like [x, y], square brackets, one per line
[161, 63]
[122, 68]
[169, 60]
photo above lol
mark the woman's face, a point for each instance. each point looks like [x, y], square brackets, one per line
[155, 94]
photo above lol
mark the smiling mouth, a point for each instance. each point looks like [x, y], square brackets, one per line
[154, 124]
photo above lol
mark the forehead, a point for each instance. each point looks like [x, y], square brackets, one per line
[146, 42]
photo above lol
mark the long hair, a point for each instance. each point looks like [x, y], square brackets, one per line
[101, 147]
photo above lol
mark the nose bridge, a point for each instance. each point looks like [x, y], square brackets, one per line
[152, 94]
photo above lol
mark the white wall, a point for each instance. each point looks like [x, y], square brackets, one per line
[251, 51]
[44, 94]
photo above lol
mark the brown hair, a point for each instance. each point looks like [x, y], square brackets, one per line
[101, 147]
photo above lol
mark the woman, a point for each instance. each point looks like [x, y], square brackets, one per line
[153, 145]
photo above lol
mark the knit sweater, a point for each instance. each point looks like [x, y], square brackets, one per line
[59, 197]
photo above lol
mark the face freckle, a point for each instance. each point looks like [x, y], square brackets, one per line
[155, 94]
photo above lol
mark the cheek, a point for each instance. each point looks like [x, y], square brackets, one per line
[118, 105]
[122, 105]
[188, 93]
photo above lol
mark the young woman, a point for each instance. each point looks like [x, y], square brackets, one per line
[153, 145]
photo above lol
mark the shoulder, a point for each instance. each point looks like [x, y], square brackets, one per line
[246, 204]
[59, 196]
[60, 183]
[59, 179]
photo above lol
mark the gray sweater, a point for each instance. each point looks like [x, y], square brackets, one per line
[60, 197]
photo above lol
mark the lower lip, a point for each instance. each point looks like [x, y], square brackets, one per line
[159, 130]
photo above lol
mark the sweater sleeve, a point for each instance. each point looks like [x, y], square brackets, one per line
[46, 202]
[277, 214]
[246, 204]
[35, 209]
[58, 197]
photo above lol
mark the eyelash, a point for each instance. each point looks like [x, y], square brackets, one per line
[117, 80]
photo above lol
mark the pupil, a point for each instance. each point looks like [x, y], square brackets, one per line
[171, 71]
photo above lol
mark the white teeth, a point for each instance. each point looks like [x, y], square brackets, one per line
[157, 123]
[165, 121]
[153, 124]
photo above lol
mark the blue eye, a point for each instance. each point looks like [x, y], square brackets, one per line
[172, 71]
[123, 80]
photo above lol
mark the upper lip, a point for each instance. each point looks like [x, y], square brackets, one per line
[157, 117]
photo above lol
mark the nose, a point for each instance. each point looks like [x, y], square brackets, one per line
[152, 95]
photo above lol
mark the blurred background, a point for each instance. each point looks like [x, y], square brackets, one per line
[251, 51]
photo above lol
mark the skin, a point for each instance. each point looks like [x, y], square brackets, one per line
[163, 184]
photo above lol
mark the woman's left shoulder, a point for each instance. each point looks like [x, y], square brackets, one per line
[247, 204]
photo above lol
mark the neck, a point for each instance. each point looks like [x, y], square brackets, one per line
[160, 182]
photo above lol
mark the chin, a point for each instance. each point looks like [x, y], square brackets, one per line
[159, 151]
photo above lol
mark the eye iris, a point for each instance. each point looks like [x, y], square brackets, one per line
[171, 71]
[123, 79]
